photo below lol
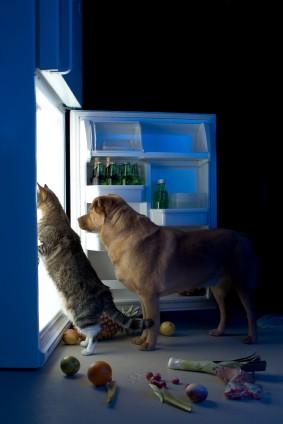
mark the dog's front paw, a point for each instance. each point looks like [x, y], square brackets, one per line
[215, 332]
[138, 340]
[249, 340]
[146, 346]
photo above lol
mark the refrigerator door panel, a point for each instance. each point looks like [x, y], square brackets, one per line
[18, 247]
[50, 155]
[21, 163]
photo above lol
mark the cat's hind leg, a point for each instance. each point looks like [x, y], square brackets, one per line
[90, 342]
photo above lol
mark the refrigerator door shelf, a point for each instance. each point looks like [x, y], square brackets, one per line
[93, 242]
[180, 217]
[131, 193]
[154, 157]
[175, 160]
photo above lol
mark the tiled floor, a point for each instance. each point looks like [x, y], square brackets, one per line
[47, 397]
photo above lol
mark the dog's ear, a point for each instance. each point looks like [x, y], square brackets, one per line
[104, 204]
[98, 204]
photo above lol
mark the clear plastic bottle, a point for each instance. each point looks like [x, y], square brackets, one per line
[160, 196]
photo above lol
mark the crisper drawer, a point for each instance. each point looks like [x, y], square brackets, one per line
[130, 193]
[180, 217]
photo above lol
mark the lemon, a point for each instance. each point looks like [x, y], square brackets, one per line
[167, 328]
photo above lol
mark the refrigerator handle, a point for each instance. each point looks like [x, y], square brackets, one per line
[66, 36]
[55, 35]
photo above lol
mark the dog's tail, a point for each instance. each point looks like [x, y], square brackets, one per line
[134, 325]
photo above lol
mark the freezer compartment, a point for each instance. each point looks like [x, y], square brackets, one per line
[174, 137]
[179, 217]
[113, 136]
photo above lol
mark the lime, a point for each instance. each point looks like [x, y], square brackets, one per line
[70, 365]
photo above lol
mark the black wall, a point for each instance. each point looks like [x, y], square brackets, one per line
[197, 56]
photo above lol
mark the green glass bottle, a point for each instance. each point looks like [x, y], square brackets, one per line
[127, 174]
[160, 196]
[99, 174]
[136, 179]
[112, 174]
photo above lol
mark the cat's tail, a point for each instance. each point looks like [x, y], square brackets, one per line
[135, 325]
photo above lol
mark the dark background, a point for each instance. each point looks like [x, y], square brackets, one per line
[199, 56]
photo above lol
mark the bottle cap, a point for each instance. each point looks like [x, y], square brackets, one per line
[161, 181]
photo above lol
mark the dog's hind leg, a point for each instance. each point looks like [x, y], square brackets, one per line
[251, 316]
[245, 280]
[219, 293]
[152, 310]
[139, 340]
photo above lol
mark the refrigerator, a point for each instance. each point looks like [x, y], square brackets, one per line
[46, 137]
[177, 148]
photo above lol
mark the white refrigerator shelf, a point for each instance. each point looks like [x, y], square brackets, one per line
[179, 217]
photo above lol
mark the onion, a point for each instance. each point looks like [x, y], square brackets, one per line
[196, 392]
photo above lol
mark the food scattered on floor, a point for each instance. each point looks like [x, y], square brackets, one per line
[148, 375]
[243, 391]
[196, 392]
[166, 397]
[109, 328]
[240, 384]
[70, 365]
[234, 374]
[71, 337]
[111, 391]
[167, 328]
[99, 373]
[156, 378]
[252, 362]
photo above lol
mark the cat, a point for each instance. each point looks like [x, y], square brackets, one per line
[84, 295]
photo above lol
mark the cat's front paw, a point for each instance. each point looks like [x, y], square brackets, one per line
[42, 250]
[87, 352]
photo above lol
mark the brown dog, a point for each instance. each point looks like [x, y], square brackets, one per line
[153, 261]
